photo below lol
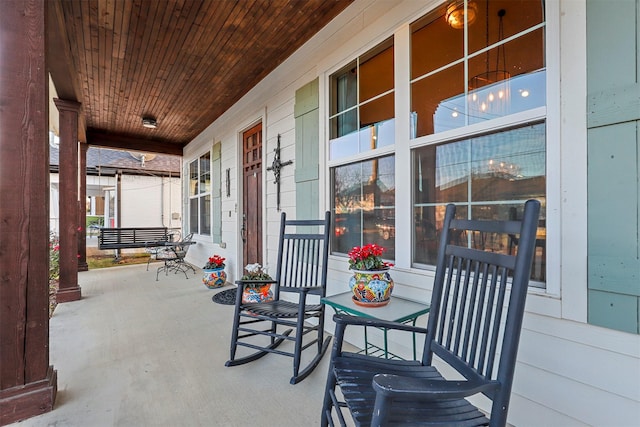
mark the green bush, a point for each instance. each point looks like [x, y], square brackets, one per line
[95, 220]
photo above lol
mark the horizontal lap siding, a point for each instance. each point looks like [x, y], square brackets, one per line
[571, 373]
[141, 202]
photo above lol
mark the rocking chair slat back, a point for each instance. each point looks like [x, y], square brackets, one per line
[481, 289]
[302, 264]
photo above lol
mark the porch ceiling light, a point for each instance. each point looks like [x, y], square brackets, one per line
[455, 13]
[149, 122]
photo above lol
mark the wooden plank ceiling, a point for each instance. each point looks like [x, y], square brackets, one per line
[182, 62]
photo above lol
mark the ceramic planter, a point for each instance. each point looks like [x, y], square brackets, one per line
[257, 292]
[371, 288]
[214, 278]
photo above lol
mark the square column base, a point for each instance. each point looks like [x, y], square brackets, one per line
[69, 294]
[29, 400]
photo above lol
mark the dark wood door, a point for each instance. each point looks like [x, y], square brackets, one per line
[252, 195]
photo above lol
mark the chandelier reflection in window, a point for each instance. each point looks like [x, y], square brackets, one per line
[489, 90]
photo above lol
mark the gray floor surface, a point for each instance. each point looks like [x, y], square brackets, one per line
[140, 352]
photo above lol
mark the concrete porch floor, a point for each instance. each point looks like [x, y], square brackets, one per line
[140, 352]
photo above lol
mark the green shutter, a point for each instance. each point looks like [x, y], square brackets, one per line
[216, 193]
[307, 121]
[613, 118]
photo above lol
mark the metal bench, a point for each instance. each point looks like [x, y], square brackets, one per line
[132, 237]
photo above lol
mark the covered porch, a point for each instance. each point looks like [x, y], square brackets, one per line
[136, 351]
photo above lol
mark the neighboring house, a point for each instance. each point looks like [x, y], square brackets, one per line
[126, 189]
[390, 112]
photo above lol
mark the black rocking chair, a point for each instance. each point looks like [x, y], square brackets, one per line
[477, 306]
[301, 274]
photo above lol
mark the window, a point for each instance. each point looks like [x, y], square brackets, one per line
[200, 195]
[362, 133]
[488, 177]
[498, 70]
[362, 104]
[364, 205]
[478, 120]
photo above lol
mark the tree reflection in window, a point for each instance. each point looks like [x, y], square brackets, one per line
[364, 205]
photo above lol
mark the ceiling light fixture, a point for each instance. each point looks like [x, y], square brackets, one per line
[149, 122]
[455, 14]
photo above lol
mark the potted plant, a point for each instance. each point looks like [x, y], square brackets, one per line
[214, 274]
[54, 272]
[257, 286]
[371, 283]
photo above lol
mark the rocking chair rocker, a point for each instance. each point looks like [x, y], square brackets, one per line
[301, 274]
[474, 324]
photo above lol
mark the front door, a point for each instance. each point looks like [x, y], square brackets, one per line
[252, 195]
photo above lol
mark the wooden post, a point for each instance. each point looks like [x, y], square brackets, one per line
[69, 289]
[28, 383]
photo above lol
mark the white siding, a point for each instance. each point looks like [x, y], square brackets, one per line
[569, 373]
[149, 201]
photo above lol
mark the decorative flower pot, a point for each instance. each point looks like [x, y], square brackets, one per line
[257, 292]
[371, 288]
[214, 278]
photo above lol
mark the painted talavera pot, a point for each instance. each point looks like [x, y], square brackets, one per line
[257, 292]
[371, 288]
[214, 278]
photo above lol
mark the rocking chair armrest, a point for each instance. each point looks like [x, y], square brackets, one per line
[396, 386]
[345, 319]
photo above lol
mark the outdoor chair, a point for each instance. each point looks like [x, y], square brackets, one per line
[299, 284]
[475, 318]
[173, 256]
[152, 249]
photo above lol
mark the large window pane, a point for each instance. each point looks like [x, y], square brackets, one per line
[376, 73]
[436, 102]
[193, 215]
[509, 165]
[518, 15]
[376, 111]
[193, 178]
[344, 89]
[364, 205]
[427, 56]
[428, 222]
[362, 103]
[498, 76]
[488, 176]
[205, 173]
[205, 215]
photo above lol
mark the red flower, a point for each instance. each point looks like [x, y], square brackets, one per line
[215, 261]
[368, 257]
